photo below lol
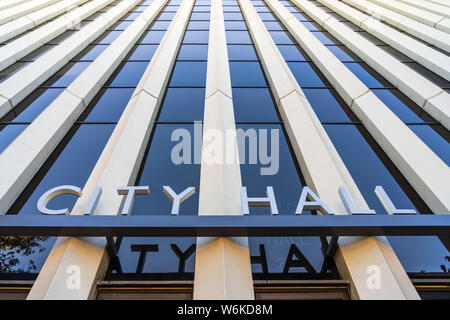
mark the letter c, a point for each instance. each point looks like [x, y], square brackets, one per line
[52, 193]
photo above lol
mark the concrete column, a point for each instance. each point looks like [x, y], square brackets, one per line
[424, 170]
[11, 29]
[325, 172]
[435, 20]
[426, 33]
[118, 165]
[22, 9]
[222, 265]
[20, 47]
[428, 57]
[30, 149]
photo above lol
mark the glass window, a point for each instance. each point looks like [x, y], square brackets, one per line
[273, 25]
[160, 25]
[235, 25]
[402, 106]
[239, 37]
[196, 37]
[183, 104]
[152, 37]
[32, 106]
[91, 52]
[267, 16]
[368, 170]
[326, 38]
[128, 74]
[367, 75]
[232, 16]
[436, 137]
[67, 74]
[241, 52]
[198, 25]
[200, 16]
[292, 53]
[246, 74]
[281, 37]
[108, 105]
[343, 54]
[107, 37]
[193, 52]
[143, 52]
[254, 104]
[327, 105]
[189, 74]
[305, 74]
[8, 133]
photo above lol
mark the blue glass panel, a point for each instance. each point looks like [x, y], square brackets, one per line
[254, 104]
[235, 25]
[152, 37]
[193, 52]
[198, 25]
[241, 52]
[291, 53]
[439, 143]
[160, 25]
[108, 105]
[404, 108]
[368, 171]
[367, 75]
[67, 74]
[267, 16]
[327, 105]
[131, 16]
[287, 186]
[196, 37]
[121, 25]
[312, 26]
[273, 25]
[189, 74]
[91, 52]
[342, 53]
[241, 37]
[305, 75]
[183, 104]
[143, 52]
[233, 16]
[326, 38]
[8, 133]
[200, 16]
[107, 37]
[281, 37]
[160, 170]
[246, 74]
[33, 105]
[71, 167]
[166, 16]
[129, 74]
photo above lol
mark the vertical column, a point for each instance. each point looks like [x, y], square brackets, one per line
[325, 172]
[222, 265]
[118, 165]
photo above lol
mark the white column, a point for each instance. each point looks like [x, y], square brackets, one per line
[434, 20]
[423, 54]
[424, 170]
[22, 9]
[222, 265]
[11, 29]
[325, 172]
[426, 33]
[20, 47]
[118, 165]
[430, 6]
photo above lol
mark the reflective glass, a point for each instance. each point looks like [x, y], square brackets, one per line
[327, 105]
[193, 52]
[254, 104]
[189, 74]
[367, 75]
[183, 104]
[67, 74]
[305, 74]
[108, 105]
[143, 52]
[246, 74]
[241, 52]
[436, 137]
[129, 74]
[8, 133]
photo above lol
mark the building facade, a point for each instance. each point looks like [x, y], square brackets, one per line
[225, 107]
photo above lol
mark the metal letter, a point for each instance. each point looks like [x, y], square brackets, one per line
[93, 201]
[316, 204]
[52, 193]
[348, 203]
[268, 201]
[177, 199]
[388, 205]
[125, 191]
